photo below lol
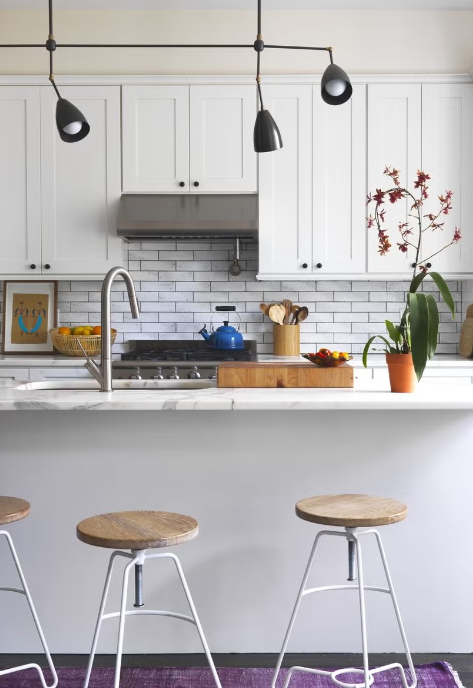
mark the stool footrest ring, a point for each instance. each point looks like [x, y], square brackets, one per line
[150, 612]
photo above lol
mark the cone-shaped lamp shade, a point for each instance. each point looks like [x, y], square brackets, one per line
[70, 121]
[266, 136]
[336, 86]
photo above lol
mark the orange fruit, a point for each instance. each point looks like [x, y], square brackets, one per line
[97, 330]
[64, 330]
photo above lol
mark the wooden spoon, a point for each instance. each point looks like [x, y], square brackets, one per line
[277, 313]
[287, 303]
[264, 308]
[301, 315]
[294, 311]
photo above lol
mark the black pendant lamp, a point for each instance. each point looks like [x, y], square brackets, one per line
[71, 123]
[266, 135]
[336, 86]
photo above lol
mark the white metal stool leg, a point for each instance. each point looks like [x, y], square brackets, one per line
[140, 557]
[25, 591]
[350, 534]
[100, 615]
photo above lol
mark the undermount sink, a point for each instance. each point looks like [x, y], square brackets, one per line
[80, 385]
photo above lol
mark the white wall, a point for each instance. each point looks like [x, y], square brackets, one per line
[364, 41]
[240, 475]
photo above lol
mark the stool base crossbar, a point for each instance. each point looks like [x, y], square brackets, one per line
[139, 557]
[352, 535]
[25, 591]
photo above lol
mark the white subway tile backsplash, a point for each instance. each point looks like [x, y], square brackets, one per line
[180, 283]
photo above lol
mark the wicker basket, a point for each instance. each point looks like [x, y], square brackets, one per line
[68, 344]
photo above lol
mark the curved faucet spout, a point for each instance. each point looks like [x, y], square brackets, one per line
[106, 352]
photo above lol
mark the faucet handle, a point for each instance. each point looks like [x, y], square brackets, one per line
[90, 365]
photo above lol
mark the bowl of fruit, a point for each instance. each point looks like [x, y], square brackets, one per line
[328, 359]
[66, 339]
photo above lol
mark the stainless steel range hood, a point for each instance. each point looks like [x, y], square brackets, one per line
[144, 217]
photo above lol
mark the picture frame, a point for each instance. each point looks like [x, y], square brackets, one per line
[30, 310]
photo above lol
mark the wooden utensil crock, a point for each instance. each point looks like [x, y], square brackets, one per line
[286, 340]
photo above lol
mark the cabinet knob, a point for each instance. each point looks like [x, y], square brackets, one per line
[196, 183]
[33, 266]
[304, 265]
[428, 265]
[181, 184]
[414, 265]
[47, 266]
[319, 265]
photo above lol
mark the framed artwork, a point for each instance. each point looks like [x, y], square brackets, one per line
[29, 312]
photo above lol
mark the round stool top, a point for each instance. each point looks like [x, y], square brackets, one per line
[137, 529]
[351, 510]
[13, 509]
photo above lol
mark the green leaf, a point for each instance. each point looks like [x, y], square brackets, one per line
[433, 325]
[416, 281]
[393, 332]
[419, 323]
[444, 290]
[369, 343]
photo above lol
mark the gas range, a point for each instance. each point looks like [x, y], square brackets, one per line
[179, 358]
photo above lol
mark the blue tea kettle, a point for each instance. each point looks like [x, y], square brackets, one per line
[225, 337]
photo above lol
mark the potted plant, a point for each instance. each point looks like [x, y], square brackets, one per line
[413, 341]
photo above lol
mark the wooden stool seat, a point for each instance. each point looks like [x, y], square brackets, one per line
[137, 529]
[351, 510]
[13, 509]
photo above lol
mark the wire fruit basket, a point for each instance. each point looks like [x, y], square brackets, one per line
[68, 344]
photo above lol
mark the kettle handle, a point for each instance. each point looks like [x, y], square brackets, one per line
[212, 329]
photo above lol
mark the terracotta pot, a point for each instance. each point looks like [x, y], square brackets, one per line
[402, 375]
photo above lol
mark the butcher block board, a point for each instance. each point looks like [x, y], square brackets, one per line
[245, 374]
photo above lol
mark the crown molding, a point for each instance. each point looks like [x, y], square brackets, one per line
[158, 79]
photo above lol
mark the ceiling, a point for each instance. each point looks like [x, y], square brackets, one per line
[242, 4]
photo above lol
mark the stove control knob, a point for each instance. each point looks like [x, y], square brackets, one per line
[193, 374]
[213, 375]
[158, 374]
[135, 376]
[174, 375]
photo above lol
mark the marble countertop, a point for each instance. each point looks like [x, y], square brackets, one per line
[429, 396]
[374, 361]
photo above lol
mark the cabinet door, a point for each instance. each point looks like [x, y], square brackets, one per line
[339, 166]
[222, 158]
[155, 139]
[394, 140]
[81, 184]
[285, 185]
[447, 155]
[20, 200]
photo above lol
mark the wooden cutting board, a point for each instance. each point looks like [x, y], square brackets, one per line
[246, 374]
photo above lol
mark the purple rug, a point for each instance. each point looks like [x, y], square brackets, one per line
[436, 675]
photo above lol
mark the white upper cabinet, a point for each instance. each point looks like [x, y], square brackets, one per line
[20, 184]
[394, 140]
[339, 168]
[194, 138]
[81, 184]
[447, 154]
[285, 185]
[156, 139]
[222, 157]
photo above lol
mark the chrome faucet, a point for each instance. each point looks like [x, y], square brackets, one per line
[103, 373]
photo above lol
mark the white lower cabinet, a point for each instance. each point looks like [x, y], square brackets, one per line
[18, 374]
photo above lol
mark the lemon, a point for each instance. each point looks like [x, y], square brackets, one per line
[78, 330]
[335, 354]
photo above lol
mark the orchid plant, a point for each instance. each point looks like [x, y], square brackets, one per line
[417, 331]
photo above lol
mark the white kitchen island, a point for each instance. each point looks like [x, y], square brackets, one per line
[240, 475]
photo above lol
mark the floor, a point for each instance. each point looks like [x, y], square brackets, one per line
[463, 663]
